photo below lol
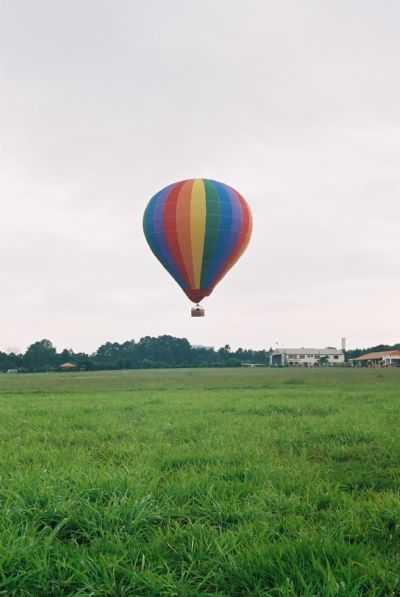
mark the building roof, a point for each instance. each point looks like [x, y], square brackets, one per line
[378, 356]
[320, 351]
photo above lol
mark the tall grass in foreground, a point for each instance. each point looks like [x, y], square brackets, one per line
[207, 482]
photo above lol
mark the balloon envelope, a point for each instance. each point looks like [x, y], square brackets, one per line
[198, 229]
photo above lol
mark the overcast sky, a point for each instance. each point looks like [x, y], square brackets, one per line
[294, 103]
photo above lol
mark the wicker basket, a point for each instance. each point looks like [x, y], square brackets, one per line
[198, 312]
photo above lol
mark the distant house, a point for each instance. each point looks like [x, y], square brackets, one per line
[306, 357]
[385, 358]
[67, 367]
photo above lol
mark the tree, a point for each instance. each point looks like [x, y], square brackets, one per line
[9, 361]
[40, 356]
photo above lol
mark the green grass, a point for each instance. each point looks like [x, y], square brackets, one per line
[200, 482]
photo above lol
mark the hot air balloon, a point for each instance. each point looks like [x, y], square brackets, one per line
[197, 229]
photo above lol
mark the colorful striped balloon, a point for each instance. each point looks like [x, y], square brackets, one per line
[198, 229]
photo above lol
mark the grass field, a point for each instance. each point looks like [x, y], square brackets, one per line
[200, 482]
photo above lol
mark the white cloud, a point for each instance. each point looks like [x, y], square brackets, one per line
[294, 103]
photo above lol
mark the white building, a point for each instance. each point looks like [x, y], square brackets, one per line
[306, 357]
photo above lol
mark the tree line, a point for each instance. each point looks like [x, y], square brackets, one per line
[147, 353]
